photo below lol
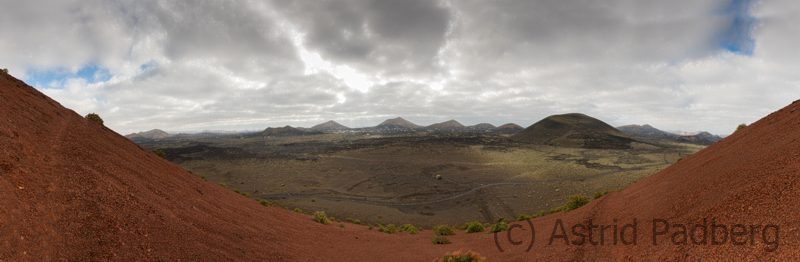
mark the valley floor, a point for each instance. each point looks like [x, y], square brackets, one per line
[418, 179]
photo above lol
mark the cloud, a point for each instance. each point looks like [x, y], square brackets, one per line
[245, 65]
[388, 38]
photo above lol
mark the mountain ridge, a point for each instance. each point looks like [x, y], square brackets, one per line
[649, 132]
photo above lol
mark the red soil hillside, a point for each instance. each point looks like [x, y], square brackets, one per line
[751, 177]
[72, 189]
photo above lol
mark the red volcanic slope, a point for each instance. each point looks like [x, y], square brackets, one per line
[72, 189]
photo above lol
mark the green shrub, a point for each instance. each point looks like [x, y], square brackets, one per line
[354, 221]
[574, 202]
[297, 210]
[443, 230]
[266, 203]
[499, 227]
[473, 227]
[160, 152]
[241, 193]
[440, 240]
[95, 118]
[321, 217]
[600, 194]
[741, 126]
[459, 256]
[523, 217]
[409, 228]
[4, 70]
[388, 229]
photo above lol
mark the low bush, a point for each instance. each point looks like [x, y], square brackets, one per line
[388, 229]
[523, 217]
[409, 228]
[440, 240]
[443, 230]
[94, 118]
[4, 70]
[499, 227]
[160, 152]
[600, 194]
[241, 193]
[575, 202]
[460, 256]
[321, 217]
[473, 227]
[741, 126]
[354, 221]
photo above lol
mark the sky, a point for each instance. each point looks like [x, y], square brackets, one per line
[186, 66]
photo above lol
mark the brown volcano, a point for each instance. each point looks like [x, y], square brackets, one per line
[509, 129]
[574, 130]
[446, 125]
[397, 123]
[329, 126]
[287, 131]
[152, 134]
[71, 189]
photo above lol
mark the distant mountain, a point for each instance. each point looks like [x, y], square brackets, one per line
[397, 123]
[648, 132]
[330, 126]
[482, 127]
[509, 128]
[450, 125]
[574, 130]
[154, 134]
[287, 131]
[702, 138]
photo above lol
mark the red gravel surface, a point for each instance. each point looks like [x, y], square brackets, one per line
[71, 189]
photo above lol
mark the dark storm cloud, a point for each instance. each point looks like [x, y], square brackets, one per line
[517, 33]
[233, 65]
[384, 37]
